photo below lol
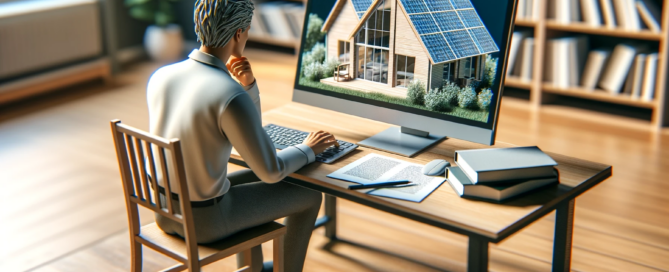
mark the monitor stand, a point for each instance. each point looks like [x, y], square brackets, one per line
[402, 141]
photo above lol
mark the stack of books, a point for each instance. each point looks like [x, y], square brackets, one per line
[528, 10]
[278, 20]
[501, 173]
[633, 15]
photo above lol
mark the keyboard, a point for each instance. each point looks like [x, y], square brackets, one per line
[283, 137]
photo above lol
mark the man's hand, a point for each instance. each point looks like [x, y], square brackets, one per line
[319, 141]
[240, 70]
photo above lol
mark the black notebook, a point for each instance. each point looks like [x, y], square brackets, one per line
[495, 165]
[465, 188]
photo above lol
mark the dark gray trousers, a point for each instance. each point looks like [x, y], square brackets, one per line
[250, 203]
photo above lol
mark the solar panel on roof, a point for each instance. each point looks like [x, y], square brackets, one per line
[448, 21]
[439, 5]
[424, 23]
[414, 6]
[449, 29]
[438, 48]
[461, 4]
[483, 38]
[470, 18]
[361, 5]
[461, 43]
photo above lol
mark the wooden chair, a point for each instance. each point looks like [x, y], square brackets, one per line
[134, 149]
[343, 72]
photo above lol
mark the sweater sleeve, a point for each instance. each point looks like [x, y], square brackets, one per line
[240, 121]
[254, 93]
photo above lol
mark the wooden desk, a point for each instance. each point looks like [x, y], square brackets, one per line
[482, 222]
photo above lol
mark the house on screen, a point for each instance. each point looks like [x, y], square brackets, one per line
[387, 43]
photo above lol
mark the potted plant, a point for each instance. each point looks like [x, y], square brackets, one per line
[163, 40]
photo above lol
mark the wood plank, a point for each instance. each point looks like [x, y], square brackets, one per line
[643, 34]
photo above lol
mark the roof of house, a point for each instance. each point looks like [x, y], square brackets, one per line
[449, 29]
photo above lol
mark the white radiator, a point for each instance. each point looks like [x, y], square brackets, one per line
[39, 34]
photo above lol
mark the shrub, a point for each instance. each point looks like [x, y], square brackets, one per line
[484, 98]
[314, 34]
[489, 73]
[328, 67]
[467, 97]
[435, 100]
[318, 53]
[416, 92]
[451, 92]
[313, 71]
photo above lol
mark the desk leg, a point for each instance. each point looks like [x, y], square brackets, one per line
[331, 214]
[477, 256]
[564, 224]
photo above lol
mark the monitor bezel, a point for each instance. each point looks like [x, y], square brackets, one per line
[438, 123]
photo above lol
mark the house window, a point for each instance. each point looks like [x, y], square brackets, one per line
[449, 71]
[469, 67]
[344, 51]
[372, 43]
[404, 68]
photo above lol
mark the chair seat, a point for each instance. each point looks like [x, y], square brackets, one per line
[152, 235]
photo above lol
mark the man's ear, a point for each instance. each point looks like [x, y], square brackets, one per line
[238, 34]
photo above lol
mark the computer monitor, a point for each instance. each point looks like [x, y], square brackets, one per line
[433, 67]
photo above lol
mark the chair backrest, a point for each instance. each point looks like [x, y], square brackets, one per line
[135, 149]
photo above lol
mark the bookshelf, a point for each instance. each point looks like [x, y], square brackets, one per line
[541, 93]
[269, 40]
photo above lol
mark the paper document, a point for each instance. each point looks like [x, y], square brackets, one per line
[375, 168]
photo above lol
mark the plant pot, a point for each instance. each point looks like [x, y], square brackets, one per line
[164, 44]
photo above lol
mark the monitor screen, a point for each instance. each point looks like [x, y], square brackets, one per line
[437, 58]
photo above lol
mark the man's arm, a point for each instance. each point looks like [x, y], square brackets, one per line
[240, 121]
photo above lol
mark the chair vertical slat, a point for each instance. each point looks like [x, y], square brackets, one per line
[142, 169]
[166, 179]
[154, 177]
[186, 212]
[133, 164]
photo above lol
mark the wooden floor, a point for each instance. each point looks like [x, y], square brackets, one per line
[63, 210]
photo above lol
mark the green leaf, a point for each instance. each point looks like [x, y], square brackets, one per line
[131, 3]
[163, 19]
[142, 12]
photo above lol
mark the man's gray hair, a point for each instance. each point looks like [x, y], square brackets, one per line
[217, 21]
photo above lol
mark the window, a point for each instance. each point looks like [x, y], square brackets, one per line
[449, 71]
[372, 42]
[404, 68]
[469, 67]
[344, 51]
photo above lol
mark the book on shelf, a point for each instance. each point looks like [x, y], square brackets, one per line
[593, 68]
[464, 187]
[278, 20]
[616, 70]
[627, 15]
[650, 14]
[608, 13]
[565, 11]
[516, 41]
[527, 59]
[635, 77]
[528, 10]
[496, 165]
[566, 58]
[592, 15]
[650, 76]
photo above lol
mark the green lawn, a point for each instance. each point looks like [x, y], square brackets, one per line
[476, 115]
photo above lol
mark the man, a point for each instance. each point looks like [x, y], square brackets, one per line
[211, 103]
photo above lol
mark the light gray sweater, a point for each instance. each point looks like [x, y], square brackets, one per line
[198, 102]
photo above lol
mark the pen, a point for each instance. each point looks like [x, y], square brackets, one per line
[379, 184]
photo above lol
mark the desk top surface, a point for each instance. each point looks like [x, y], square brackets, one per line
[443, 208]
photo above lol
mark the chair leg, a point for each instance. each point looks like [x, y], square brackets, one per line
[136, 256]
[278, 259]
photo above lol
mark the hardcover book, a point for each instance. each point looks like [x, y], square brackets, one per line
[497, 165]
[464, 187]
